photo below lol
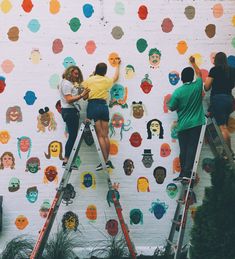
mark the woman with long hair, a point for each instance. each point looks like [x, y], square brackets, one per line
[221, 81]
[69, 95]
[97, 108]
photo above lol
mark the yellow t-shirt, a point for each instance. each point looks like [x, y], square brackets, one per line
[99, 86]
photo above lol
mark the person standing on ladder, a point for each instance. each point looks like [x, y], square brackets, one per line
[97, 108]
[72, 76]
[221, 81]
[187, 102]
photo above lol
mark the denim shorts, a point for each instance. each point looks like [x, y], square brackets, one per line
[97, 109]
[221, 106]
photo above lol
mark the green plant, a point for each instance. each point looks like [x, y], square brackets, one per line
[213, 233]
[61, 245]
[112, 247]
[19, 247]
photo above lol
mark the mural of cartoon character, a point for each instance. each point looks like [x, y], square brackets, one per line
[129, 72]
[14, 184]
[24, 144]
[88, 180]
[35, 56]
[46, 119]
[117, 121]
[21, 222]
[176, 165]
[54, 150]
[165, 150]
[4, 136]
[147, 159]
[154, 128]
[174, 77]
[114, 59]
[138, 110]
[44, 209]
[171, 190]
[143, 184]
[112, 227]
[128, 166]
[70, 221]
[136, 217]
[135, 139]
[146, 84]
[113, 193]
[118, 96]
[7, 160]
[154, 58]
[13, 114]
[159, 174]
[33, 165]
[158, 208]
[50, 174]
[91, 212]
[2, 84]
[32, 194]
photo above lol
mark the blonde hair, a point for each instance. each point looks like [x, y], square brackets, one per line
[68, 74]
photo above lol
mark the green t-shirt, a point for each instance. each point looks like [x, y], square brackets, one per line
[187, 102]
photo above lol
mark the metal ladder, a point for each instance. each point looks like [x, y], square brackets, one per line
[212, 133]
[45, 231]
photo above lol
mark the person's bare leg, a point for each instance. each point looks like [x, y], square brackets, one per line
[105, 128]
[101, 139]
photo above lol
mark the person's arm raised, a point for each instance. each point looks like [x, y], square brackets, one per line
[116, 74]
[195, 66]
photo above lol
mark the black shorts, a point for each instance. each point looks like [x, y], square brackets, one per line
[97, 109]
[221, 106]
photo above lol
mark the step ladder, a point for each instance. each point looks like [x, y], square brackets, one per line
[210, 132]
[45, 231]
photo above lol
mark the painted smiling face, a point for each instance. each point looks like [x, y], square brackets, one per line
[113, 59]
[51, 173]
[135, 139]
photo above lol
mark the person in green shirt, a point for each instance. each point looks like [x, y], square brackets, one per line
[187, 102]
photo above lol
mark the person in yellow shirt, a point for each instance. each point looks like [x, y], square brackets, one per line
[97, 108]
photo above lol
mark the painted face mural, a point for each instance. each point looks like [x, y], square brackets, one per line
[113, 59]
[35, 56]
[129, 72]
[50, 174]
[171, 190]
[176, 165]
[70, 221]
[117, 121]
[165, 150]
[158, 208]
[14, 184]
[21, 222]
[166, 99]
[154, 128]
[88, 180]
[32, 194]
[2, 84]
[159, 174]
[182, 47]
[174, 77]
[7, 160]
[4, 136]
[147, 159]
[91, 212]
[54, 150]
[30, 97]
[138, 110]
[24, 145]
[135, 139]
[136, 217]
[143, 184]
[33, 165]
[44, 209]
[46, 120]
[154, 57]
[146, 84]
[143, 12]
[13, 114]
[118, 96]
[114, 146]
[112, 227]
[69, 61]
[128, 166]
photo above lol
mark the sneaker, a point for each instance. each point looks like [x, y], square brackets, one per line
[73, 167]
[99, 167]
[109, 164]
